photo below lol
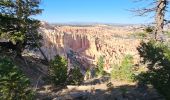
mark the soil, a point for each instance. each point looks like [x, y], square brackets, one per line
[93, 89]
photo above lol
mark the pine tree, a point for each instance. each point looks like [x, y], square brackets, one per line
[17, 26]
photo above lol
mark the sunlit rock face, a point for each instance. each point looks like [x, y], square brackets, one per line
[89, 43]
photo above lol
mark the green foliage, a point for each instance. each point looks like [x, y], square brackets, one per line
[149, 29]
[13, 84]
[145, 32]
[99, 71]
[167, 33]
[16, 37]
[125, 70]
[100, 66]
[157, 57]
[17, 25]
[141, 34]
[58, 70]
[76, 77]
[88, 73]
[59, 74]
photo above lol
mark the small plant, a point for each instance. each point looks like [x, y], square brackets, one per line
[99, 71]
[58, 70]
[59, 74]
[145, 32]
[149, 29]
[124, 71]
[141, 34]
[167, 33]
[76, 77]
[88, 74]
[100, 66]
[13, 83]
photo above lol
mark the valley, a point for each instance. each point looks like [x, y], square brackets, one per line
[89, 43]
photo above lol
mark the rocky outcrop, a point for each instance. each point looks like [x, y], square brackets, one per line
[89, 43]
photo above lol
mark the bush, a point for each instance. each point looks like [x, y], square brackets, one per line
[141, 34]
[124, 71]
[58, 70]
[75, 76]
[157, 57]
[167, 33]
[149, 29]
[99, 71]
[13, 83]
[88, 74]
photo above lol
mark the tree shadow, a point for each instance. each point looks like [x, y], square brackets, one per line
[157, 57]
[124, 92]
[95, 81]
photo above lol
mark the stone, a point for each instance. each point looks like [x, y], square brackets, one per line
[89, 43]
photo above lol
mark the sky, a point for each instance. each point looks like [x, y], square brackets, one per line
[90, 11]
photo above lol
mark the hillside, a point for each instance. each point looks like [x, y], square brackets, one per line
[91, 42]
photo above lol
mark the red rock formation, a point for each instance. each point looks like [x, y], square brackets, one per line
[89, 42]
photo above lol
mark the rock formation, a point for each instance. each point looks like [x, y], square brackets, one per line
[89, 43]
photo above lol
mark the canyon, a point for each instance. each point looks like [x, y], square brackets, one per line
[89, 43]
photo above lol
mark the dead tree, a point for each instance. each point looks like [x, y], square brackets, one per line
[160, 16]
[159, 8]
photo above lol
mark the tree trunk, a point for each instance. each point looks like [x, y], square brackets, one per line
[40, 48]
[159, 17]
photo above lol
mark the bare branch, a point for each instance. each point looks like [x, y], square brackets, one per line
[143, 11]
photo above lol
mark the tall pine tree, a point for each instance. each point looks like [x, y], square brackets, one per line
[17, 26]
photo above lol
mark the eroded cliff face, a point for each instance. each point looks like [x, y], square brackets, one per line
[89, 43]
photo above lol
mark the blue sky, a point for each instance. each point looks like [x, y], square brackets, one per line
[99, 11]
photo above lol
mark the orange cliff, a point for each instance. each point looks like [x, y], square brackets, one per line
[90, 43]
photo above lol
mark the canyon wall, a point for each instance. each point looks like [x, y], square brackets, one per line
[89, 43]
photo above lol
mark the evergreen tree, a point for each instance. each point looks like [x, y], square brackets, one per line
[17, 26]
[14, 85]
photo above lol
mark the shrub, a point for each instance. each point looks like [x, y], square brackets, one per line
[141, 34]
[58, 70]
[88, 74]
[157, 57]
[149, 29]
[167, 33]
[145, 32]
[75, 76]
[124, 71]
[99, 71]
[13, 83]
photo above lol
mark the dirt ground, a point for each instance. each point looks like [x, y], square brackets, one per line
[93, 89]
